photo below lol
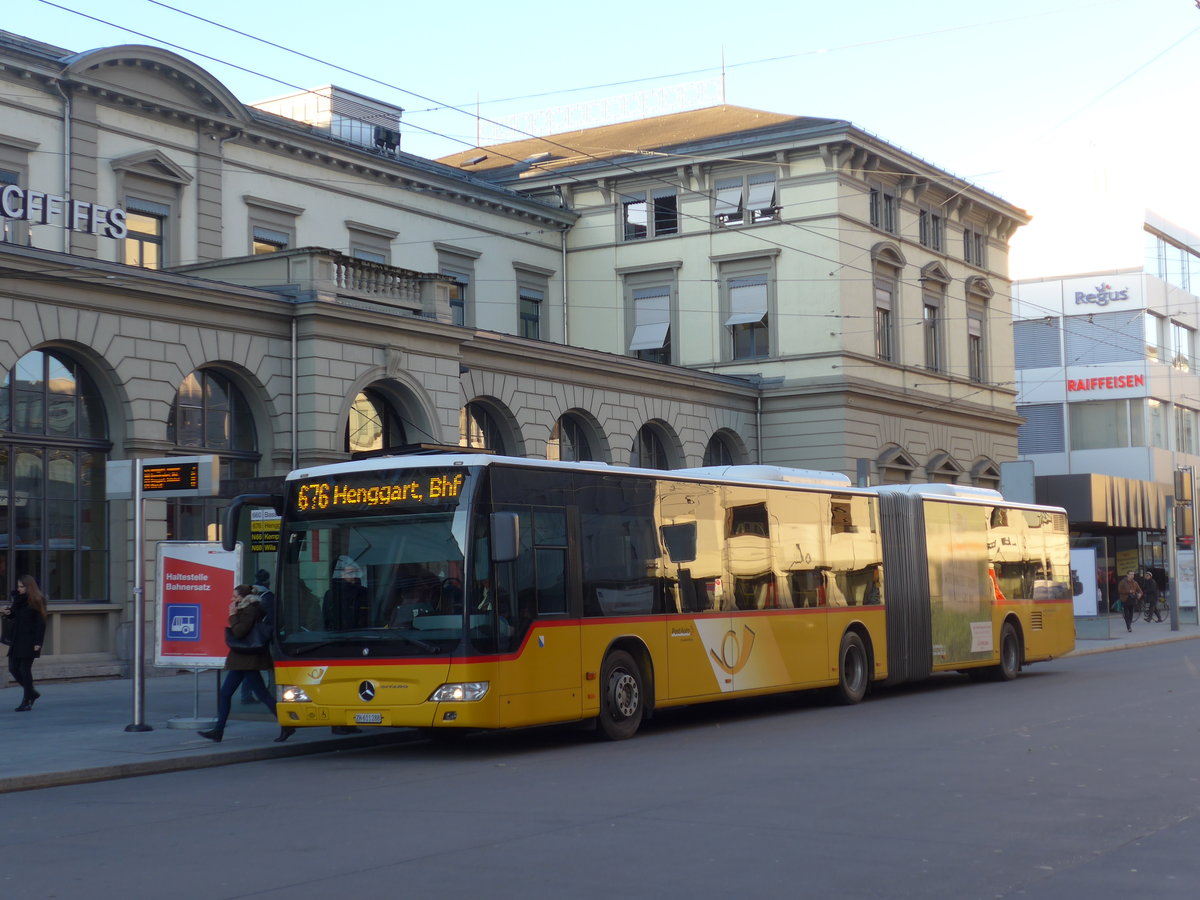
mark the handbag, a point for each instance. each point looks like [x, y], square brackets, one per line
[6, 630]
[256, 639]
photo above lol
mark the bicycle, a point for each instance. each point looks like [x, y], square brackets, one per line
[1155, 609]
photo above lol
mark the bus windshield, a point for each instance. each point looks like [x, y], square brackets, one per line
[388, 585]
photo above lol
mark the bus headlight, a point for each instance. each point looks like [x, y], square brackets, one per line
[290, 693]
[463, 692]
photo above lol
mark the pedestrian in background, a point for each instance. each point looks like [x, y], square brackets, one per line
[244, 664]
[1129, 592]
[1149, 589]
[25, 618]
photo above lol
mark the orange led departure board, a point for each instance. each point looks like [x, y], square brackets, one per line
[373, 491]
[172, 477]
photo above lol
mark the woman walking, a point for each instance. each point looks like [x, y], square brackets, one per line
[244, 663]
[26, 627]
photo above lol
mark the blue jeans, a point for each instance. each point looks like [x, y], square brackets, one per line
[233, 680]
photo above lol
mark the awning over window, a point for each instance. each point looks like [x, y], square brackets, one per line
[651, 319]
[762, 194]
[747, 300]
[729, 198]
[649, 337]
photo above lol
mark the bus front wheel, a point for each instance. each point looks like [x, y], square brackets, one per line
[853, 669]
[622, 701]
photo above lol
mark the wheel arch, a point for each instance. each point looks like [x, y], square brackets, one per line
[859, 628]
[636, 648]
[1013, 619]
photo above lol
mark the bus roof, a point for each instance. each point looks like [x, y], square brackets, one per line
[741, 474]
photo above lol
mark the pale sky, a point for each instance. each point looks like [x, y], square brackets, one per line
[1082, 112]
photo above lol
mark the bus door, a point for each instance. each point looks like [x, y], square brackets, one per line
[698, 632]
[540, 676]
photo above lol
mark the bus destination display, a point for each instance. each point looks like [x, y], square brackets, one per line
[174, 477]
[370, 492]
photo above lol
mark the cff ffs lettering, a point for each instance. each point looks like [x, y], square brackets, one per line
[41, 208]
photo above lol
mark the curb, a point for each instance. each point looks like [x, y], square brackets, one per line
[1129, 645]
[39, 780]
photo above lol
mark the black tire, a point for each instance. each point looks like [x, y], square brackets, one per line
[1010, 654]
[854, 670]
[622, 697]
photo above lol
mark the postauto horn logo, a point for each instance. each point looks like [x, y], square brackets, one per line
[1103, 296]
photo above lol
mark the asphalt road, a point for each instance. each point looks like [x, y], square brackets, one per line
[1079, 780]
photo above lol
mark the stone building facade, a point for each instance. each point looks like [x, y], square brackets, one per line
[181, 274]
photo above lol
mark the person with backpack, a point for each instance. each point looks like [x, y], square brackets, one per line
[249, 640]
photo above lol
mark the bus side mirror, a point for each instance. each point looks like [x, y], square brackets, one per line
[506, 536]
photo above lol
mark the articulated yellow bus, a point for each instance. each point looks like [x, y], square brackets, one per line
[467, 591]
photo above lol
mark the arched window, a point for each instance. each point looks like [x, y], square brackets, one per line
[210, 415]
[478, 430]
[373, 424]
[718, 452]
[649, 451]
[569, 440]
[53, 449]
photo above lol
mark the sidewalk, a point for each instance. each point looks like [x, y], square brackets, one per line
[76, 731]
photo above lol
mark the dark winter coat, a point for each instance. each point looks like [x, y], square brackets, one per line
[240, 624]
[28, 629]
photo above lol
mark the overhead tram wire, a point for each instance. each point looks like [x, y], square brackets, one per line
[467, 112]
[839, 264]
[867, 273]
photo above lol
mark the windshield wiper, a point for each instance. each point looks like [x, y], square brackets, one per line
[309, 648]
[390, 636]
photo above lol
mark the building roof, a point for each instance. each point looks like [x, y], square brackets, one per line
[657, 134]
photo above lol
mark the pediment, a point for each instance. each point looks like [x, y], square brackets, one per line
[942, 463]
[157, 78]
[979, 287]
[888, 252]
[152, 164]
[895, 457]
[936, 272]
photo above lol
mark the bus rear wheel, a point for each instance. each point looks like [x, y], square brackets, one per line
[622, 701]
[1010, 653]
[853, 670]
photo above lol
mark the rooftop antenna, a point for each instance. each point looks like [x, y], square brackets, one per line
[723, 70]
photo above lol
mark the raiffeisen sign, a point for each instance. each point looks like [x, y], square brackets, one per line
[40, 208]
[1106, 383]
[1103, 295]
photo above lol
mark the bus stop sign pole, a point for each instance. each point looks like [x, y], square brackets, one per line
[139, 605]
